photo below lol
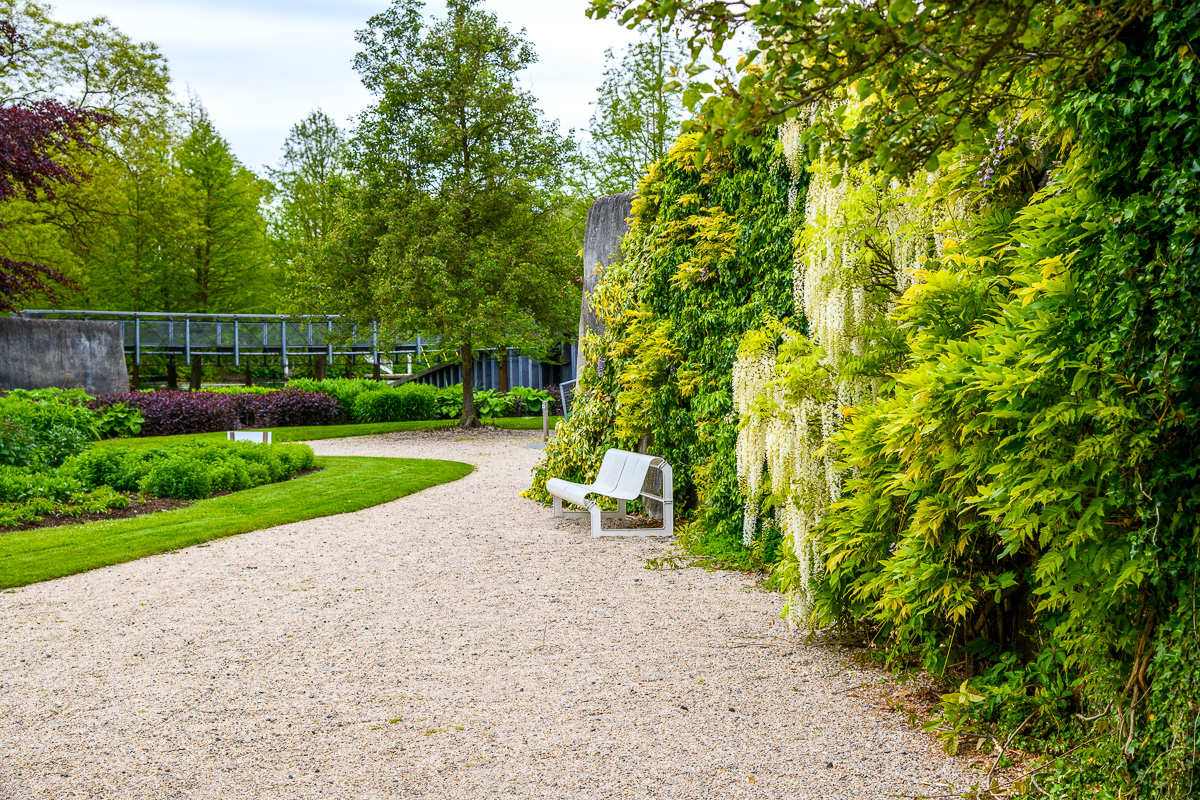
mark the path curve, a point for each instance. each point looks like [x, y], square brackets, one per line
[455, 643]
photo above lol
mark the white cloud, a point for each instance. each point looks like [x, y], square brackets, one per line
[261, 65]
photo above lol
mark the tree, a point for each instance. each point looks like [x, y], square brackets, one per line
[930, 75]
[36, 137]
[226, 259]
[454, 225]
[637, 112]
[308, 182]
[92, 231]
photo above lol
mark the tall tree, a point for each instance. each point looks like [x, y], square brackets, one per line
[307, 184]
[456, 225]
[638, 110]
[36, 140]
[227, 257]
[82, 228]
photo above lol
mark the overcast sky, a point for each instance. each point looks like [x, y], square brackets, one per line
[260, 66]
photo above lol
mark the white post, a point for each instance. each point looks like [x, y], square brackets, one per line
[545, 421]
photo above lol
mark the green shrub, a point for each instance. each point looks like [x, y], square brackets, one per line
[18, 484]
[265, 456]
[99, 466]
[412, 401]
[179, 477]
[344, 389]
[449, 401]
[491, 404]
[528, 401]
[240, 389]
[136, 466]
[92, 480]
[120, 420]
[58, 420]
[18, 445]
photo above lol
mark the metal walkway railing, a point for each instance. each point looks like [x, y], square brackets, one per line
[160, 333]
[149, 333]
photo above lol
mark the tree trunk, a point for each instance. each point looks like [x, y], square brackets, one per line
[376, 373]
[249, 374]
[503, 370]
[319, 368]
[469, 418]
[172, 374]
[349, 366]
[135, 378]
[197, 374]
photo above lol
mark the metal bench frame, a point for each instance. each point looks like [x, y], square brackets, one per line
[621, 477]
[262, 437]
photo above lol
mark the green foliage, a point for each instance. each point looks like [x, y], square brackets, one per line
[92, 480]
[308, 183]
[533, 398]
[253, 389]
[368, 401]
[1022, 510]
[455, 221]
[45, 427]
[449, 401]
[227, 261]
[931, 74]
[17, 443]
[708, 255]
[179, 477]
[493, 404]
[412, 401]
[119, 420]
[344, 389]
[637, 113]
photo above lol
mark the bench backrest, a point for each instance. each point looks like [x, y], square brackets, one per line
[610, 471]
[633, 476]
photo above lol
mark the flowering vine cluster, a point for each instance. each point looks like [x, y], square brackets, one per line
[1006, 137]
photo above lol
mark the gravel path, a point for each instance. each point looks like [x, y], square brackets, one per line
[457, 643]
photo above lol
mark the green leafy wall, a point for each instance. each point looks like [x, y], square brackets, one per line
[708, 256]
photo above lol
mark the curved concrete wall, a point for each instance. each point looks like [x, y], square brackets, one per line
[606, 226]
[63, 353]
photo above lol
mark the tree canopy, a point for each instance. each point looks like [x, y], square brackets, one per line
[454, 224]
[928, 75]
[637, 109]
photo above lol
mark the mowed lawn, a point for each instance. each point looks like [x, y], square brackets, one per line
[312, 433]
[343, 484]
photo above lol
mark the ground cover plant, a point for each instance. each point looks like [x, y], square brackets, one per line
[342, 484]
[101, 478]
[317, 432]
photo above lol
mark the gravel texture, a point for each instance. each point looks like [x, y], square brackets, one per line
[456, 643]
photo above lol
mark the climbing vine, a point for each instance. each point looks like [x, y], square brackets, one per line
[708, 256]
[862, 243]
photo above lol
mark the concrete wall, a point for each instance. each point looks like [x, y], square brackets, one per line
[68, 354]
[606, 226]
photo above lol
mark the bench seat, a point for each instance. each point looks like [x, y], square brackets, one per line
[621, 477]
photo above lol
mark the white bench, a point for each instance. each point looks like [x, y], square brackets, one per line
[621, 477]
[262, 437]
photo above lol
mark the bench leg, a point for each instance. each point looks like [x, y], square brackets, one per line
[595, 514]
[667, 529]
[558, 511]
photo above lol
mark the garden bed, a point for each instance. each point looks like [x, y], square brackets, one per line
[140, 505]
